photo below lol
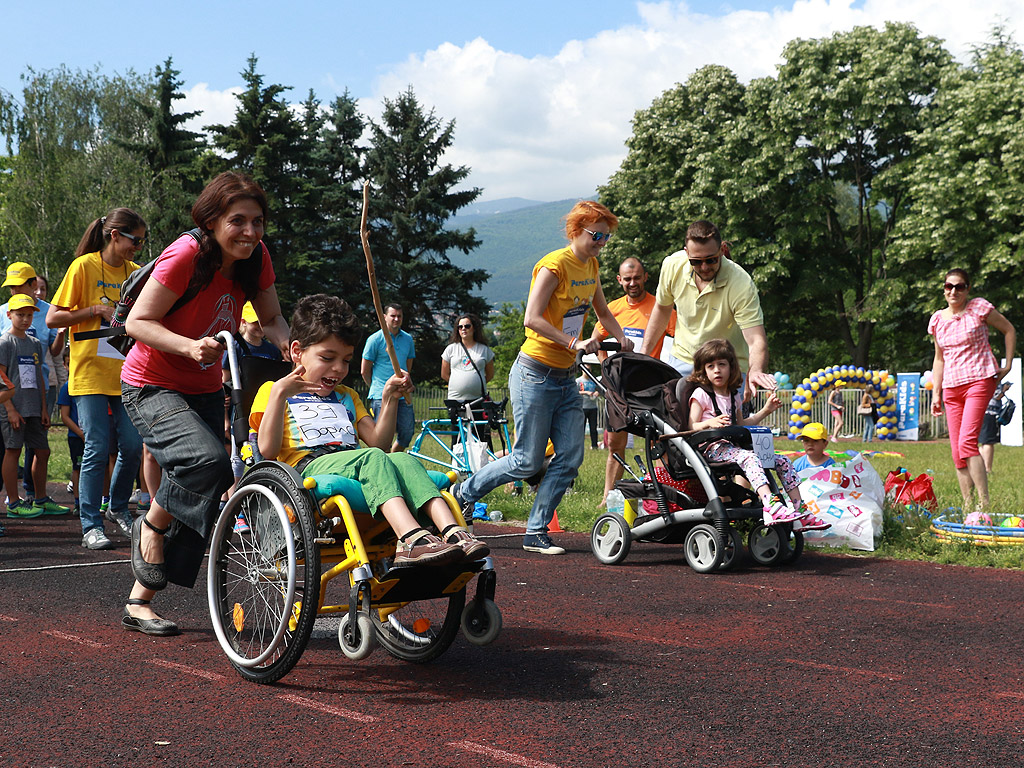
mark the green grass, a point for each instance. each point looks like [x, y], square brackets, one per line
[905, 533]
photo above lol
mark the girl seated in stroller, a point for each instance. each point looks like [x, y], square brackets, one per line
[714, 403]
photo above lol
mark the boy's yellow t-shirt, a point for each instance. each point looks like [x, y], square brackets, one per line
[567, 309]
[95, 365]
[313, 422]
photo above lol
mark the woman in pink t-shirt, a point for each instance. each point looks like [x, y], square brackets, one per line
[171, 381]
[965, 374]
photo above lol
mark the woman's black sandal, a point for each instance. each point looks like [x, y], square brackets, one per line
[158, 627]
[149, 575]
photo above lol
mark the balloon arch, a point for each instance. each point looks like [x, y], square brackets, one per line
[879, 386]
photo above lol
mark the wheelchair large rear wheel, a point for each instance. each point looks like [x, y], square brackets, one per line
[264, 583]
[422, 630]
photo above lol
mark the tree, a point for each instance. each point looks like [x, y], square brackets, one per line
[172, 153]
[267, 141]
[414, 194]
[508, 336]
[64, 165]
[965, 188]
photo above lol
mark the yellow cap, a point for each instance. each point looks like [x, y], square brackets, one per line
[248, 313]
[19, 273]
[814, 431]
[20, 301]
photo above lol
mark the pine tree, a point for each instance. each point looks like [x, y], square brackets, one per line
[413, 197]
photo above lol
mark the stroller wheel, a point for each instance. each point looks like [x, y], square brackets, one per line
[610, 539]
[733, 551]
[767, 544]
[704, 552]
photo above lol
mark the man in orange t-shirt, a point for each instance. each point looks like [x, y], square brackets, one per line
[632, 311]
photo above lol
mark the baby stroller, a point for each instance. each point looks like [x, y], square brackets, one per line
[649, 399]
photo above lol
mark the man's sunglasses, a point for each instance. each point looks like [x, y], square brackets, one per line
[137, 242]
[955, 286]
[598, 237]
[709, 261]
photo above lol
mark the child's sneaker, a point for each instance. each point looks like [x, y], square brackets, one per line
[240, 525]
[811, 523]
[423, 548]
[71, 486]
[143, 504]
[105, 504]
[776, 511]
[22, 509]
[124, 524]
[48, 506]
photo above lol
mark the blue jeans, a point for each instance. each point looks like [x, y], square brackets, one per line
[869, 429]
[543, 407]
[405, 421]
[96, 423]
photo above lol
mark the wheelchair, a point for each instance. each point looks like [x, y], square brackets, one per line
[268, 584]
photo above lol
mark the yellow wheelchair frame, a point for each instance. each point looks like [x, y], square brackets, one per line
[266, 589]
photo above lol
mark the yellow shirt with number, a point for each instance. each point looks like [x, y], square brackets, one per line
[567, 308]
[95, 365]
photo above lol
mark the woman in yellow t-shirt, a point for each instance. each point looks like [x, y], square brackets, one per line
[85, 301]
[546, 402]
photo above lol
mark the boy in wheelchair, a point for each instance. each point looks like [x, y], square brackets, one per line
[312, 421]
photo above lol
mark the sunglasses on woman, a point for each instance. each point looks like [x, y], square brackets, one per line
[465, 327]
[598, 237]
[954, 286]
[136, 240]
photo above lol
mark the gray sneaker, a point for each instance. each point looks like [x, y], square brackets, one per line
[123, 523]
[95, 538]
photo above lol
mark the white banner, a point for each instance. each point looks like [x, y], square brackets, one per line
[850, 496]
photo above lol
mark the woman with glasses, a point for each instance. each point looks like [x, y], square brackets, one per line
[85, 301]
[965, 374]
[171, 381]
[546, 402]
[467, 364]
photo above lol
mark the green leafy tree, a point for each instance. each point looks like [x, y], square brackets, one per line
[965, 189]
[414, 194]
[508, 333]
[65, 163]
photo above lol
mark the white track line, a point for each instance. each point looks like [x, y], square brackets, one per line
[851, 670]
[500, 754]
[64, 565]
[7, 618]
[187, 669]
[348, 714]
[73, 638]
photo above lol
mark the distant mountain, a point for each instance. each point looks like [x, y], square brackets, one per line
[513, 237]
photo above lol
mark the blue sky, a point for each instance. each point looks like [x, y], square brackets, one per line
[542, 92]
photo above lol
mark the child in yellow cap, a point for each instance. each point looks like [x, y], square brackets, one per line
[815, 440]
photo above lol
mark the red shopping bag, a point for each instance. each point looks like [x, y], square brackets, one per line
[902, 490]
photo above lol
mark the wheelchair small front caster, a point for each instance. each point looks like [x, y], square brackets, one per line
[481, 621]
[356, 642]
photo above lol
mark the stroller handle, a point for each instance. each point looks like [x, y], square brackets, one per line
[610, 345]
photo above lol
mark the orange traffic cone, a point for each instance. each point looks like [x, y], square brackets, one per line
[553, 526]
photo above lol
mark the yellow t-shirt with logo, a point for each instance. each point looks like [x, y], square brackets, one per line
[95, 365]
[567, 308]
[312, 422]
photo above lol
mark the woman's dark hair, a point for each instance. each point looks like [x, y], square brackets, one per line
[319, 316]
[213, 202]
[97, 234]
[962, 274]
[708, 352]
[478, 329]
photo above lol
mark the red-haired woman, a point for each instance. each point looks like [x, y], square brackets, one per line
[171, 381]
[546, 402]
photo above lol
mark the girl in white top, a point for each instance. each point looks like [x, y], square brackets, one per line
[467, 363]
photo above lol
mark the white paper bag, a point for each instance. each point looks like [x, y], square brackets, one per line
[850, 496]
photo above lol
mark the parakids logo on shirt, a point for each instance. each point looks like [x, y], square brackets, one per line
[101, 284]
[576, 283]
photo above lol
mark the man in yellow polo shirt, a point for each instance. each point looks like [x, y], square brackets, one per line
[714, 298]
[633, 311]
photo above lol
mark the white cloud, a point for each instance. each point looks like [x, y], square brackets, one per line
[216, 107]
[549, 127]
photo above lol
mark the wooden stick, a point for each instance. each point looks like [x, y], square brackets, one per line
[364, 237]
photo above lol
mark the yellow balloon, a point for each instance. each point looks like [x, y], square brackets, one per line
[814, 386]
[794, 430]
[804, 419]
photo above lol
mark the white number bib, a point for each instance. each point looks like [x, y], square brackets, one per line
[27, 372]
[103, 348]
[572, 323]
[636, 335]
[322, 421]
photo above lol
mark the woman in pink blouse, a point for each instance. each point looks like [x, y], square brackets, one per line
[965, 373]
